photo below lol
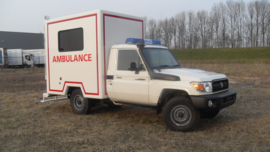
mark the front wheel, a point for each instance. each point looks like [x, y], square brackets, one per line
[79, 104]
[180, 115]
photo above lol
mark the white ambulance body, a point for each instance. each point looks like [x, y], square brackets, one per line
[78, 48]
[102, 57]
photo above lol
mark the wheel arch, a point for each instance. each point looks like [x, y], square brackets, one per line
[71, 89]
[167, 94]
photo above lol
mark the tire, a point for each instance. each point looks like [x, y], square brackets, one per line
[209, 114]
[180, 115]
[79, 104]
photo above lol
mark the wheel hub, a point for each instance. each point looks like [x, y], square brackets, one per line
[180, 115]
[78, 103]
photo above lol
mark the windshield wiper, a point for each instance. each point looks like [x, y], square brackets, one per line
[176, 65]
[163, 66]
[159, 67]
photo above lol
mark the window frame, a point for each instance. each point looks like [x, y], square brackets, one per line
[81, 49]
[136, 64]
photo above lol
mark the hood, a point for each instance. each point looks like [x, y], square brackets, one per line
[186, 74]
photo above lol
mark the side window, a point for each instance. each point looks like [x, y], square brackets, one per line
[70, 40]
[129, 60]
[27, 57]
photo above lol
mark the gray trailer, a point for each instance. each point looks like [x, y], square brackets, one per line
[18, 58]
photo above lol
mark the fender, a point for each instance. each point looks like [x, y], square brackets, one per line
[167, 94]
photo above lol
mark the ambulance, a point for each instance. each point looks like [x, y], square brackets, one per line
[101, 57]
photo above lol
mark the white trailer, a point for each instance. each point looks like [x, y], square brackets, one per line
[18, 58]
[38, 56]
[3, 57]
[88, 63]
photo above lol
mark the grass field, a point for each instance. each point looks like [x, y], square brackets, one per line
[258, 55]
[26, 124]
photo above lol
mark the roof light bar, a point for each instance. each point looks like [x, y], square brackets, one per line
[157, 42]
[146, 41]
[133, 40]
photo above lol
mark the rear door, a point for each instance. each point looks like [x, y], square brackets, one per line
[131, 80]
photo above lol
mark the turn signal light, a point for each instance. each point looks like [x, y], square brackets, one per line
[198, 87]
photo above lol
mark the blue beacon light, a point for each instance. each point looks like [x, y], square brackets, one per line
[133, 40]
[146, 41]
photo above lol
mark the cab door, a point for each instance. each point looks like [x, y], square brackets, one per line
[131, 80]
[28, 60]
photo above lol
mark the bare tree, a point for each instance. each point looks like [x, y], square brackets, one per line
[230, 24]
[250, 23]
[196, 35]
[152, 26]
[167, 32]
[202, 17]
[216, 18]
[224, 21]
[181, 24]
[231, 11]
[257, 9]
[191, 21]
[210, 31]
[173, 26]
[159, 30]
[263, 18]
[268, 33]
[239, 8]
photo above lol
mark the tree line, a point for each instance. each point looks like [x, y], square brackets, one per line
[227, 25]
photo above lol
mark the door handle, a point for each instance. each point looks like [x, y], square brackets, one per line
[119, 77]
[140, 79]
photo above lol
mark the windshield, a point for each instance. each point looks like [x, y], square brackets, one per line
[158, 58]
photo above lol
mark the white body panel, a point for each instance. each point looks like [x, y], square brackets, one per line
[3, 57]
[125, 87]
[38, 55]
[15, 57]
[101, 30]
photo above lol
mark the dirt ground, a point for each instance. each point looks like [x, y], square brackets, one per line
[26, 124]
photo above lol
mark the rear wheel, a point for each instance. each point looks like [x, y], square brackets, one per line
[180, 115]
[79, 104]
[209, 114]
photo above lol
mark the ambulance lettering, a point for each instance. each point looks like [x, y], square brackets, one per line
[71, 58]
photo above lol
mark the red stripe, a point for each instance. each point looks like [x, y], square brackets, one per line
[71, 82]
[105, 72]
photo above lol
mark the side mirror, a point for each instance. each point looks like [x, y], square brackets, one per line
[139, 69]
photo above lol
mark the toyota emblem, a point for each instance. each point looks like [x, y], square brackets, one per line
[221, 85]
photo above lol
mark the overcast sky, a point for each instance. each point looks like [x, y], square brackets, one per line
[28, 15]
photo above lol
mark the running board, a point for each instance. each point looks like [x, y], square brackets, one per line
[45, 95]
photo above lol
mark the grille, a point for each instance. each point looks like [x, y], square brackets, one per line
[219, 85]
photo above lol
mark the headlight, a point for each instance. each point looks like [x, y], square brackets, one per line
[202, 86]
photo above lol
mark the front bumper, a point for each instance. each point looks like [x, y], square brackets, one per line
[220, 100]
